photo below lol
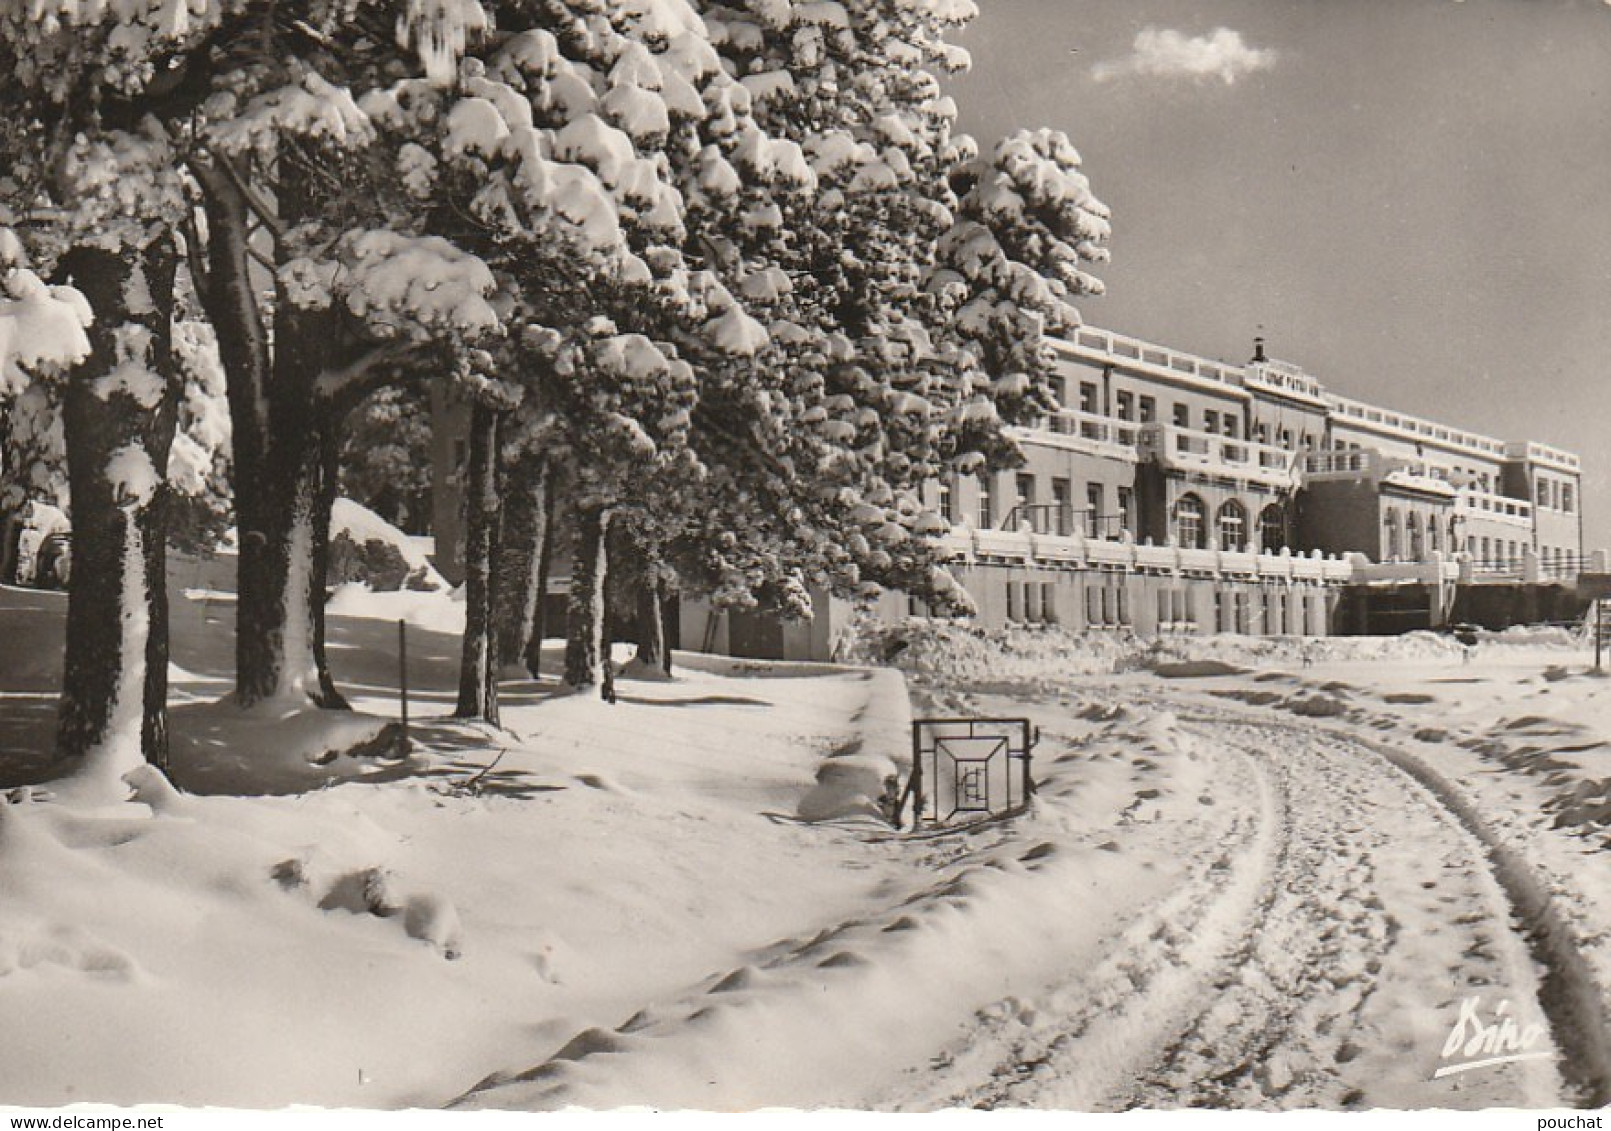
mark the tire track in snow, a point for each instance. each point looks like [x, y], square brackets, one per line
[1266, 990]
[1570, 996]
[1109, 1020]
[1385, 914]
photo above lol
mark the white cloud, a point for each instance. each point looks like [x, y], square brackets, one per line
[1166, 53]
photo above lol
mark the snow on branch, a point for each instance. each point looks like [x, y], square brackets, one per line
[424, 282]
[133, 476]
[41, 329]
[311, 108]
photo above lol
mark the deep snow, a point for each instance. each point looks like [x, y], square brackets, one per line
[1225, 894]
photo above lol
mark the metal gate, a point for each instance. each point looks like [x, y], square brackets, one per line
[968, 768]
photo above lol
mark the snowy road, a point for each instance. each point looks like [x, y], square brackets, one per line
[1214, 904]
[1314, 953]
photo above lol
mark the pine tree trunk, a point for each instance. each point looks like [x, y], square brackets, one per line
[651, 623]
[274, 623]
[282, 483]
[584, 622]
[275, 457]
[324, 503]
[545, 559]
[119, 432]
[478, 666]
[666, 617]
[520, 555]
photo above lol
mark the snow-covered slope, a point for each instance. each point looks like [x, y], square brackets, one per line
[1227, 891]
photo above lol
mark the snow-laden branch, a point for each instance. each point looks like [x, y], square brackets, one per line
[41, 328]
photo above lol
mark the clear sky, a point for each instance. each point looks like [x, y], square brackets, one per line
[1409, 198]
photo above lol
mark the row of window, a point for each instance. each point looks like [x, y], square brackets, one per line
[1271, 611]
[1035, 602]
[1143, 409]
[1032, 602]
[1495, 551]
[1412, 537]
[1056, 516]
[1557, 561]
[1507, 554]
[1230, 525]
[1555, 495]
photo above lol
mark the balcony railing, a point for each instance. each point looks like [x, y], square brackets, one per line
[1502, 508]
[1534, 452]
[1093, 427]
[1349, 462]
[1187, 449]
[1065, 520]
[1088, 553]
[1120, 347]
[1414, 427]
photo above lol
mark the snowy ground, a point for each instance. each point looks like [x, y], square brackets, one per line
[1271, 880]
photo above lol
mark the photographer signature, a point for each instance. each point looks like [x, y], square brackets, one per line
[1474, 1042]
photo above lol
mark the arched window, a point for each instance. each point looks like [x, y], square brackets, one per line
[1417, 547]
[1190, 530]
[1232, 532]
[1272, 529]
[1393, 536]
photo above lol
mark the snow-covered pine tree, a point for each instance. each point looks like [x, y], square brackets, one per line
[259, 106]
[869, 380]
[637, 104]
[626, 411]
[1026, 223]
[120, 409]
[532, 156]
[360, 289]
[90, 186]
[665, 89]
[892, 385]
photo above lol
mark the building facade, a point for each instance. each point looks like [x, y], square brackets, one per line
[1175, 492]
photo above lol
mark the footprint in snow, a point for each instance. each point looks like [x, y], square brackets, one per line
[841, 960]
[545, 959]
[433, 919]
[429, 917]
[744, 978]
[67, 947]
[589, 1042]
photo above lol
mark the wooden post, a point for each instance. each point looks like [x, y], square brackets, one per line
[403, 744]
[1599, 632]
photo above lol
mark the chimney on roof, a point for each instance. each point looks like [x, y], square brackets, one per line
[1258, 350]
